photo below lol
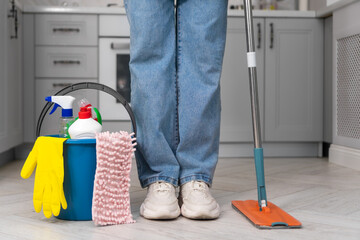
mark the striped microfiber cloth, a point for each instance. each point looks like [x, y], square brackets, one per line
[111, 198]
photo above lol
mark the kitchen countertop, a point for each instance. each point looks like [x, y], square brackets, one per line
[78, 10]
[325, 12]
[271, 13]
[121, 10]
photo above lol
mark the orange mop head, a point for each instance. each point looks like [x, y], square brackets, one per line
[111, 198]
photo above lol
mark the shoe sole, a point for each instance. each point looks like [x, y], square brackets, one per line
[159, 214]
[204, 215]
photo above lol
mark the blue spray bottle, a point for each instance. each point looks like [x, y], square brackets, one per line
[65, 102]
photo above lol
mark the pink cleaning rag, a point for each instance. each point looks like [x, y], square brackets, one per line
[111, 198]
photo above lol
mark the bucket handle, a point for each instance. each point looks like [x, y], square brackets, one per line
[87, 85]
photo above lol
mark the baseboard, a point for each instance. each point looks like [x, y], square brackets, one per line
[7, 156]
[345, 156]
[22, 151]
[230, 150]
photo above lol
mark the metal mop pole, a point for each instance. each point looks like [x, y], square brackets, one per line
[251, 59]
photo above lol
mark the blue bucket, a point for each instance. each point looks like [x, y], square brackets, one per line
[79, 173]
[80, 159]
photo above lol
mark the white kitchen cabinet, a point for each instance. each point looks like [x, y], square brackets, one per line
[59, 50]
[236, 123]
[29, 77]
[290, 77]
[346, 86]
[328, 79]
[122, 29]
[345, 147]
[294, 80]
[10, 79]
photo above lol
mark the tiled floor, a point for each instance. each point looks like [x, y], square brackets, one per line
[323, 196]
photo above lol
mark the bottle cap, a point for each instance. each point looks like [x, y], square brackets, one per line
[84, 113]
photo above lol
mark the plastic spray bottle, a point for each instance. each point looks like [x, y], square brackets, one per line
[65, 102]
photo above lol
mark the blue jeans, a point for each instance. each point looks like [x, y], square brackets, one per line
[175, 64]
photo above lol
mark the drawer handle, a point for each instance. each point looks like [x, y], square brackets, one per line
[62, 85]
[66, 62]
[271, 35]
[118, 46]
[14, 14]
[259, 36]
[66, 30]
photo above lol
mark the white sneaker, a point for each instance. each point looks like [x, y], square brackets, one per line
[197, 202]
[160, 202]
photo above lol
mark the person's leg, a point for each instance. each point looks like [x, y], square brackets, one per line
[153, 88]
[201, 34]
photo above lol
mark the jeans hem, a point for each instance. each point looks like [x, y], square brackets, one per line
[196, 177]
[148, 181]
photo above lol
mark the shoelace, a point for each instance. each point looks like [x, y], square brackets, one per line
[162, 187]
[200, 187]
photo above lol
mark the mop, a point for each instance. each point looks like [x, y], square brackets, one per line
[261, 213]
[111, 198]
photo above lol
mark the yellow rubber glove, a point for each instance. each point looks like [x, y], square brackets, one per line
[47, 154]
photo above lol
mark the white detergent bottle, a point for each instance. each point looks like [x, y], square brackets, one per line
[85, 126]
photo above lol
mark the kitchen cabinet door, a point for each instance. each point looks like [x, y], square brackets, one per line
[294, 79]
[236, 122]
[10, 79]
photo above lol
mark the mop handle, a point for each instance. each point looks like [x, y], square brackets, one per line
[258, 151]
[251, 57]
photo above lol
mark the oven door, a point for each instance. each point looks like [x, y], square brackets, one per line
[114, 57]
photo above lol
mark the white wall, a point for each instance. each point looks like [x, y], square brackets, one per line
[329, 2]
[317, 4]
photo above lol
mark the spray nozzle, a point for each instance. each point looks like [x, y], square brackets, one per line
[94, 111]
[65, 102]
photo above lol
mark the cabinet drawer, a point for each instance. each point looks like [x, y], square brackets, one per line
[68, 29]
[66, 62]
[48, 87]
[107, 23]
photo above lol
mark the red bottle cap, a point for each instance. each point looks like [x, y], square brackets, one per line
[84, 113]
